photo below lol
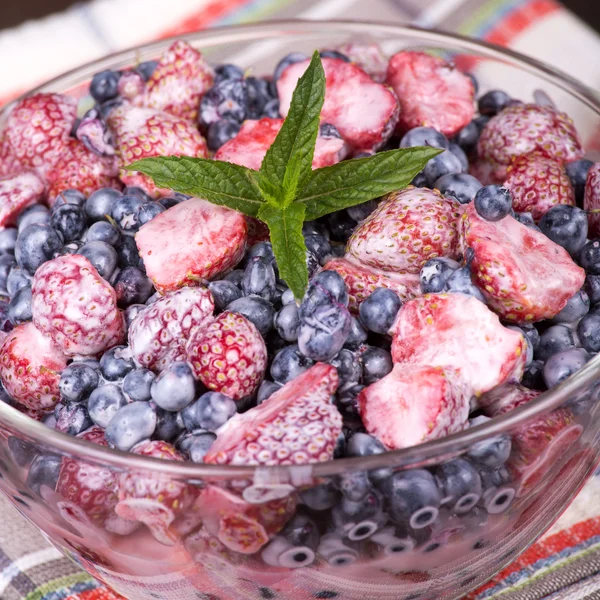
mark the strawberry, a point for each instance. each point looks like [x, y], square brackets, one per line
[132, 87]
[75, 307]
[505, 398]
[179, 81]
[525, 128]
[414, 404]
[229, 356]
[9, 163]
[16, 193]
[361, 281]
[591, 199]
[407, 229]
[487, 172]
[143, 132]
[193, 240]
[92, 488]
[38, 127]
[152, 498]
[523, 274]
[297, 424]
[159, 332]
[364, 112]
[460, 332]
[537, 183]
[368, 57]
[257, 231]
[81, 169]
[431, 92]
[249, 146]
[30, 366]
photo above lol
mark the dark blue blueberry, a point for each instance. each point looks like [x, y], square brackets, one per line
[319, 246]
[132, 287]
[228, 99]
[287, 322]
[460, 154]
[460, 186]
[529, 350]
[125, 212]
[266, 390]
[361, 211]
[138, 192]
[333, 54]
[445, 163]
[357, 336]
[533, 377]
[116, 363]
[492, 102]
[105, 86]
[460, 282]
[36, 244]
[70, 197]
[567, 226]
[146, 68]
[127, 252]
[491, 452]
[348, 368]
[526, 218]
[435, 273]
[577, 306]
[102, 255]
[21, 451]
[328, 130]
[221, 131]
[354, 485]
[459, 484]
[315, 228]
[554, 340]
[294, 547]
[379, 310]
[71, 418]
[359, 520]
[19, 307]
[8, 240]
[271, 109]
[577, 172]
[136, 385]
[532, 335]
[328, 281]
[36, 213]
[258, 95]
[210, 411]
[169, 425]
[424, 136]
[420, 180]
[288, 363]
[130, 425]
[321, 497]
[69, 221]
[363, 444]
[99, 205]
[70, 248]
[497, 491]
[175, 387]
[5, 326]
[262, 250]
[107, 107]
[228, 71]
[196, 445]
[346, 402]
[592, 288]
[259, 278]
[103, 231]
[341, 225]
[493, 202]
[481, 122]
[468, 137]
[312, 263]
[43, 471]
[589, 257]
[376, 364]
[7, 263]
[224, 293]
[77, 382]
[147, 211]
[286, 61]
[562, 365]
[255, 309]
[588, 331]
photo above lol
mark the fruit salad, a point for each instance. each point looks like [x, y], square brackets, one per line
[154, 309]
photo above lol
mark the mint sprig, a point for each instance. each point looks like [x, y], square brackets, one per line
[287, 191]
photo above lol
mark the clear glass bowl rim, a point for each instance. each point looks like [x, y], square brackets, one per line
[38, 433]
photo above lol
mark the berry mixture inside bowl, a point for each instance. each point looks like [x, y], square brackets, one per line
[350, 255]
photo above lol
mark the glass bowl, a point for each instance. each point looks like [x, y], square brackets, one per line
[391, 544]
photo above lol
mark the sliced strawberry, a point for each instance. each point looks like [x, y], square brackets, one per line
[257, 231]
[154, 499]
[159, 332]
[144, 132]
[75, 307]
[414, 404]
[369, 57]
[229, 355]
[537, 183]
[431, 92]
[9, 163]
[94, 489]
[16, 193]
[460, 332]
[591, 199]
[506, 398]
[523, 274]
[364, 112]
[406, 230]
[525, 128]
[179, 81]
[487, 172]
[298, 424]
[30, 366]
[190, 241]
[362, 281]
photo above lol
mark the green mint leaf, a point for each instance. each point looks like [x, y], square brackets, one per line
[285, 228]
[355, 181]
[218, 182]
[288, 162]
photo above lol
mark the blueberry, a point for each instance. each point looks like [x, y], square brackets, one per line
[357, 336]
[7, 264]
[36, 213]
[71, 418]
[533, 377]
[116, 363]
[99, 204]
[460, 186]
[104, 402]
[196, 445]
[138, 192]
[468, 137]
[460, 282]
[258, 95]
[287, 322]
[127, 252]
[497, 493]
[105, 86]
[125, 212]
[531, 334]
[221, 131]
[567, 226]
[562, 365]
[328, 130]
[286, 61]
[228, 71]
[224, 292]
[348, 368]
[361, 211]
[266, 390]
[341, 225]
[294, 547]
[147, 211]
[259, 278]
[169, 201]
[435, 273]
[592, 288]
[332, 282]
[19, 307]
[227, 98]
[102, 255]
[363, 444]
[8, 240]
[333, 54]
[271, 109]
[529, 349]
[420, 180]
[262, 250]
[526, 218]
[255, 309]
[445, 163]
[577, 172]
[346, 402]
[70, 248]
[491, 452]
[577, 306]
[319, 246]
[132, 287]
[146, 68]
[588, 331]
[210, 411]
[288, 363]
[376, 364]
[459, 484]
[36, 244]
[169, 426]
[5, 324]
[492, 102]
[354, 485]
[44, 471]
[175, 387]
[589, 257]
[424, 136]
[359, 520]
[130, 425]
[21, 451]
[315, 228]
[379, 310]
[136, 385]
[102, 231]
[555, 339]
[77, 382]
[493, 202]
[322, 496]
[460, 154]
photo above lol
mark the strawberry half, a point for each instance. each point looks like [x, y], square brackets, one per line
[406, 230]
[159, 332]
[363, 111]
[179, 81]
[414, 404]
[9, 163]
[153, 498]
[369, 57]
[537, 183]
[298, 424]
[431, 92]
[75, 307]
[191, 241]
[591, 199]
[30, 366]
[524, 275]
[16, 193]
[229, 356]
[460, 332]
